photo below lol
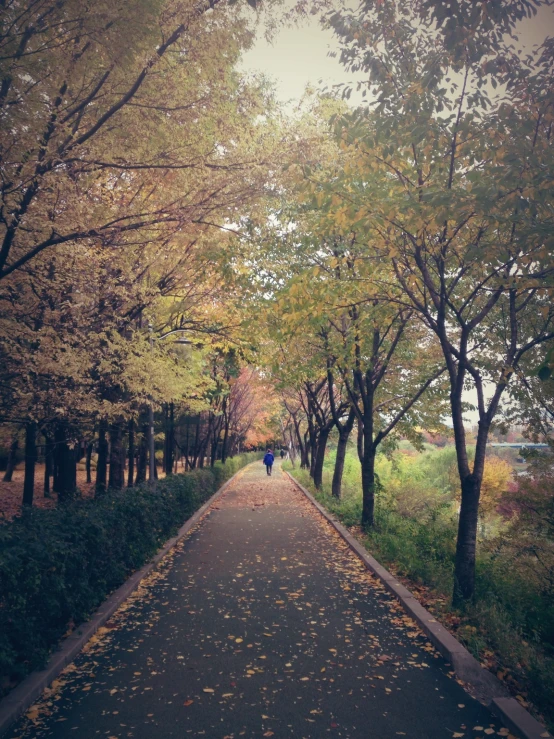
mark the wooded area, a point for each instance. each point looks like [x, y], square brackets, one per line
[188, 271]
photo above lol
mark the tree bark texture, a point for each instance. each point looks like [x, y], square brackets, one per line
[131, 454]
[67, 460]
[89, 461]
[323, 436]
[116, 480]
[342, 444]
[142, 458]
[102, 462]
[30, 462]
[48, 464]
[368, 485]
[12, 456]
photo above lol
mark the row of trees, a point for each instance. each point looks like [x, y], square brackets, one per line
[400, 262]
[414, 263]
[117, 454]
[128, 142]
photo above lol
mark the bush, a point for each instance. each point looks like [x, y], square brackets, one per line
[58, 565]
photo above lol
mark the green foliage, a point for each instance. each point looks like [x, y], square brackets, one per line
[57, 566]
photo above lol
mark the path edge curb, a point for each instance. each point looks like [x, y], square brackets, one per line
[31, 688]
[487, 687]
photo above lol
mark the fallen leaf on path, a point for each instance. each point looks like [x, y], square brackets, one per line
[188, 703]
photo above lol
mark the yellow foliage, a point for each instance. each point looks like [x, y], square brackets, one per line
[496, 477]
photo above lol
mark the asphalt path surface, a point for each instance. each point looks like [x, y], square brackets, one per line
[260, 623]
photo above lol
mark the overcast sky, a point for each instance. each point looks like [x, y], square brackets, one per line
[299, 56]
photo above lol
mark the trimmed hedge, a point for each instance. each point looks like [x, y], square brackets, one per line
[57, 566]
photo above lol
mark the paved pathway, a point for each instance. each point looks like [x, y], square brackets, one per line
[261, 623]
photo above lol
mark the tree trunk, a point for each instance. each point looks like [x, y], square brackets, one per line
[142, 459]
[320, 456]
[102, 461]
[166, 436]
[464, 570]
[187, 463]
[12, 454]
[336, 486]
[169, 445]
[56, 461]
[67, 480]
[225, 441]
[368, 484]
[131, 454]
[344, 434]
[116, 480]
[48, 464]
[314, 443]
[30, 462]
[360, 441]
[90, 447]
[305, 464]
[466, 543]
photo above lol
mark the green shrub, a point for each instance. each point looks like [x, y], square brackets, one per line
[58, 565]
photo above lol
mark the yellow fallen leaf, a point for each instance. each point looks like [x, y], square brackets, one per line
[228, 695]
[461, 705]
[457, 735]
[239, 640]
[304, 678]
[489, 731]
[208, 690]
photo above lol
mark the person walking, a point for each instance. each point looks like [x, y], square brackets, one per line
[268, 461]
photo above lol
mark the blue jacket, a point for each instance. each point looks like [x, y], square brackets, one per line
[269, 458]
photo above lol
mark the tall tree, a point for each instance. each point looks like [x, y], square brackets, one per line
[458, 190]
